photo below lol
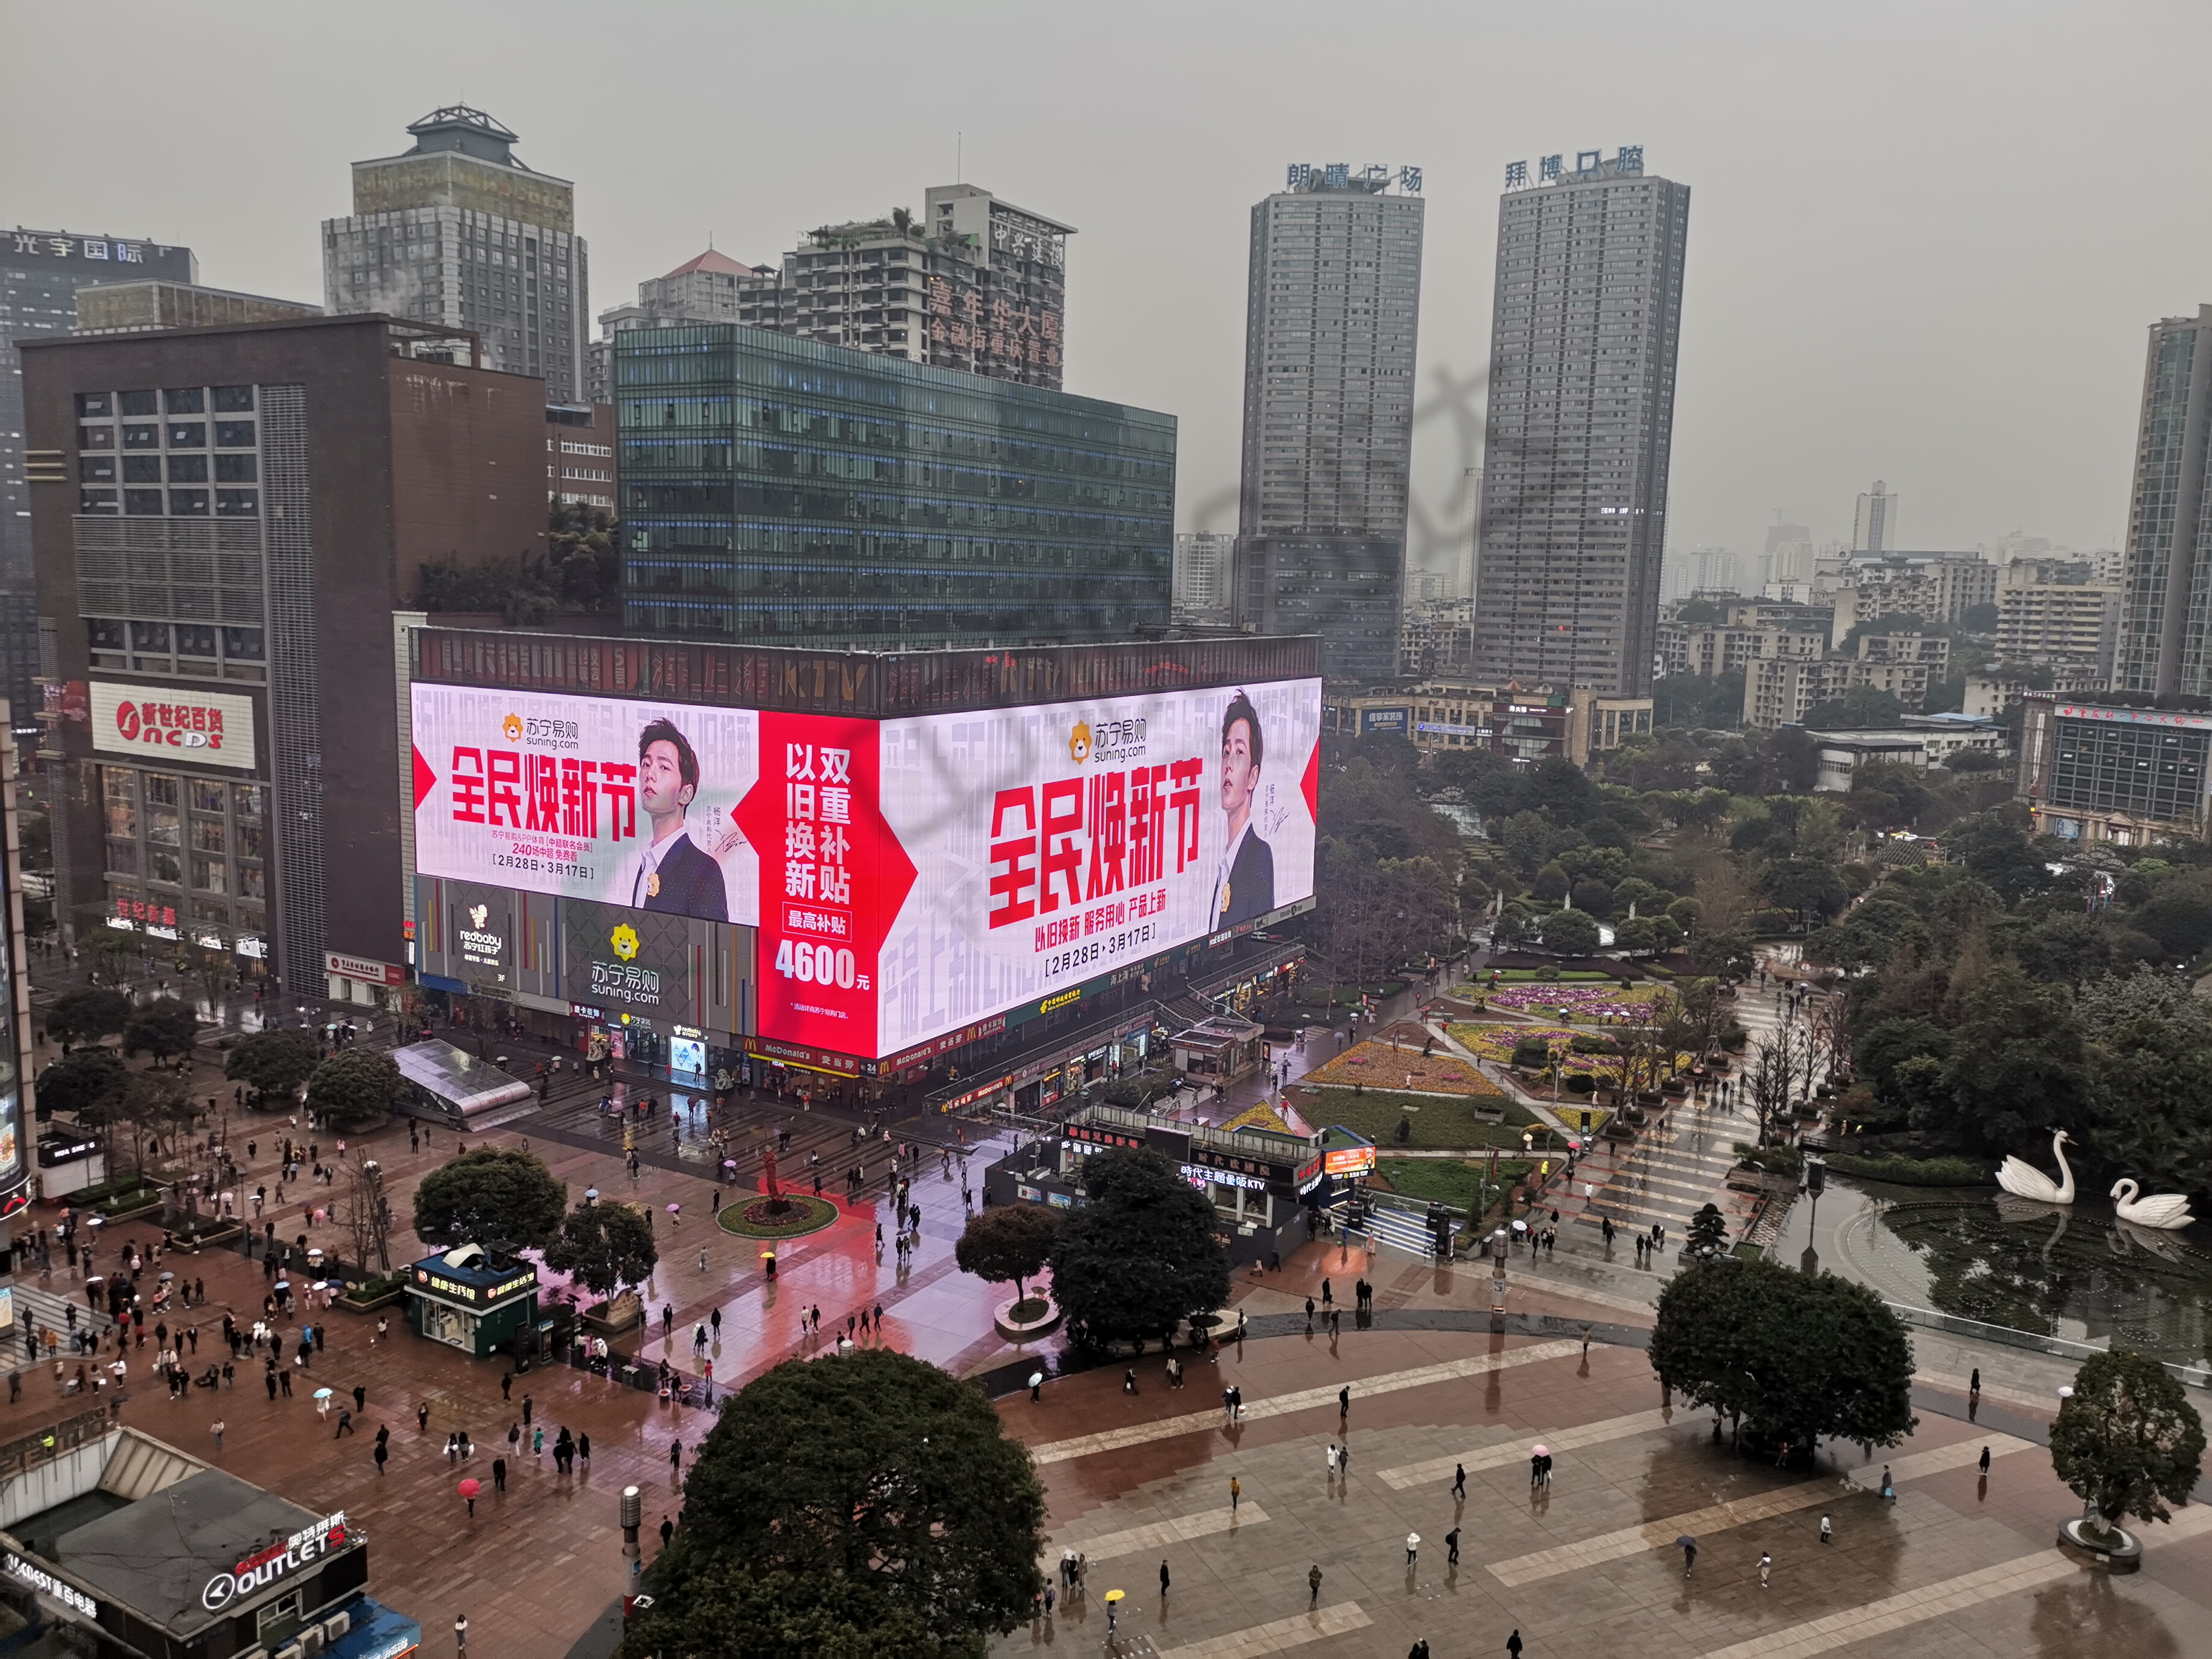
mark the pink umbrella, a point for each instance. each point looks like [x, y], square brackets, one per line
[470, 1488]
[1543, 1451]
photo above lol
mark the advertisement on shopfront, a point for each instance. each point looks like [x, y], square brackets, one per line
[909, 878]
[589, 797]
[1054, 844]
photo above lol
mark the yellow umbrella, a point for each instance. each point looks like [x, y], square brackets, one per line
[1116, 1595]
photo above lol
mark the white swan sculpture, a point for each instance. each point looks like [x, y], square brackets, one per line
[2168, 1211]
[2024, 1179]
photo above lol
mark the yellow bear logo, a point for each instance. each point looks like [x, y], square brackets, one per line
[1079, 742]
[625, 941]
[513, 726]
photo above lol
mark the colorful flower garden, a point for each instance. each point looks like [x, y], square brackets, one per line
[1498, 1043]
[1607, 1001]
[1378, 1065]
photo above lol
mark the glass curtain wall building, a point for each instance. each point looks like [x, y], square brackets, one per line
[790, 492]
[2166, 601]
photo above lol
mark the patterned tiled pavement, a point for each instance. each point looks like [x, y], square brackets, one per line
[1956, 1564]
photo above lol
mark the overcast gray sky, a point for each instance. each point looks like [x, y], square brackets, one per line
[1925, 235]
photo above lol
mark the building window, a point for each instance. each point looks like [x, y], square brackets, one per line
[137, 402]
[96, 437]
[94, 403]
[185, 400]
[95, 501]
[142, 502]
[189, 435]
[237, 503]
[234, 435]
[211, 875]
[146, 436]
[234, 400]
[237, 469]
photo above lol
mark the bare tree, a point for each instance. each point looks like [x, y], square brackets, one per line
[368, 1216]
[1767, 1085]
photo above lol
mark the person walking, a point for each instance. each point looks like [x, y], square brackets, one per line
[1985, 1461]
[1163, 1579]
[1313, 1586]
[1412, 1547]
[1236, 1493]
[1343, 1407]
[1459, 1482]
[1826, 1529]
[1689, 1556]
[218, 1434]
[380, 1454]
[461, 1634]
[1513, 1645]
[1888, 1487]
[1766, 1565]
[1451, 1547]
[499, 1474]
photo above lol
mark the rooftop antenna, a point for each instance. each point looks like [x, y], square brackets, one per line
[959, 158]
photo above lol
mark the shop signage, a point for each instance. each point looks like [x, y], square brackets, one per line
[943, 1045]
[975, 1094]
[1200, 1175]
[365, 969]
[481, 937]
[52, 1151]
[1348, 1160]
[1267, 1168]
[265, 1567]
[1028, 1194]
[212, 728]
[39, 1579]
[817, 1059]
[1098, 1137]
[580, 1011]
[474, 1294]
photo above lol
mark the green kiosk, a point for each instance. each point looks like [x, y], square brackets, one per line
[471, 1299]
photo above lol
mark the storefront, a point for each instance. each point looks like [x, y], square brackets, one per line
[193, 1561]
[68, 1163]
[1220, 1049]
[1250, 1176]
[471, 1299]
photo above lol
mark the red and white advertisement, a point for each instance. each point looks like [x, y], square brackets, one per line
[832, 878]
[204, 728]
[1054, 843]
[623, 803]
[911, 880]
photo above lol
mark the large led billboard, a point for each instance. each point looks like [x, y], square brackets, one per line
[909, 878]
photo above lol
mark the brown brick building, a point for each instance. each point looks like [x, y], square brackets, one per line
[224, 520]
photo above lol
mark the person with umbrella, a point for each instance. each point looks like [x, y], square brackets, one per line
[469, 1489]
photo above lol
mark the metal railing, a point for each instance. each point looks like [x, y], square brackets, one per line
[2058, 1347]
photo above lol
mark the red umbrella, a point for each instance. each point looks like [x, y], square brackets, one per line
[471, 1488]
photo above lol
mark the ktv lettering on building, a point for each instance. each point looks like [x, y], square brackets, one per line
[265, 1567]
[209, 728]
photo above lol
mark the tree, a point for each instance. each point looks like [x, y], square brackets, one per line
[77, 1082]
[2150, 1090]
[1708, 1231]
[1792, 1357]
[368, 1214]
[2128, 1440]
[355, 1085]
[1141, 1256]
[2017, 1066]
[1637, 937]
[163, 1028]
[1767, 1085]
[149, 1105]
[1010, 1244]
[274, 1063]
[871, 1490]
[606, 1247]
[2182, 922]
[1726, 956]
[1571, 933]
[487, 1196]
[88, 1016]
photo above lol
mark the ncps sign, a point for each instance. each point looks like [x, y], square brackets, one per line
[165, 723]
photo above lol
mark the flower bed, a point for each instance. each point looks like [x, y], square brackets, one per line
[1577, 1001]
[1498, 1043]
[1378, 1065]
[755, 1218]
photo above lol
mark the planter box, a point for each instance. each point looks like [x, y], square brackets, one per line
[194, 1245]
[134, 1209]
[372, 1303]
[1001, 1317]
[612, 1318]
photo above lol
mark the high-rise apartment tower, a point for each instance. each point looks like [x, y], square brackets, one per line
[1582, 413]
[457, 231]
[2166, 600]
[1334, 296]
[1874, 525]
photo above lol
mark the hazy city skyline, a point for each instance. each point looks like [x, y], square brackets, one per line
[1986, 363]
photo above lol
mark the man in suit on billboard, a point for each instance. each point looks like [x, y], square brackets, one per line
[1246, 886]
[673, 872]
